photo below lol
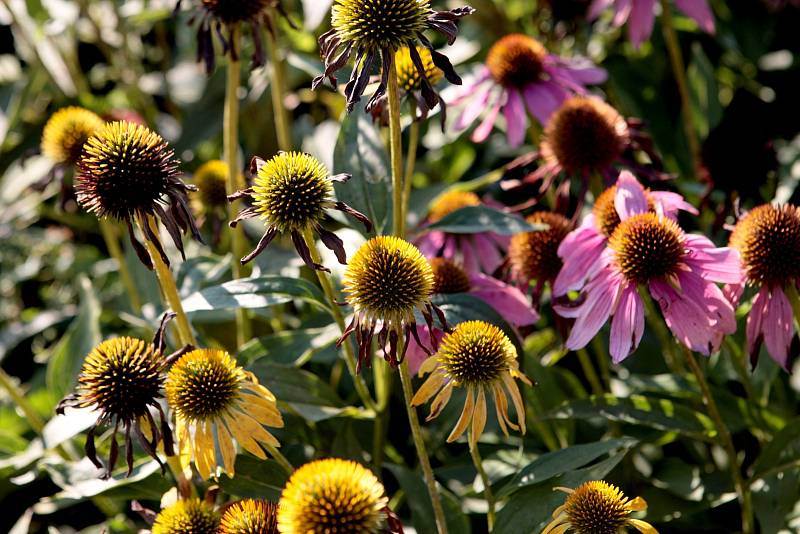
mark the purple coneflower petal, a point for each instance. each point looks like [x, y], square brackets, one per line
[755, 319]
[474, 108]
[581, 248]
[431, 243]
[685, 317]
[672, 203]
[640, 23]
[487, 250]
[601, 296]
[700, 11]
[622, 10]
[507, 300]
[482, 132]
[778, 326]
[627, 326]
[581, 70]
[543, 99]
[597, 7]
[718, 264]
[516, 118]
[630, 198]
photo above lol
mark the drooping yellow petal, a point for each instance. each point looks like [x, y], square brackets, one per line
[637, 505]
[642, 526]
[501, 408]
[557, 525]
[262, 410]
[253, 385]
[558, 511]
[440, 401]
[204, 453]
[428, 366]
[466, 417]
[428, 388]
[516, 397]
[478, 417]
[242, 428]
[227, 448]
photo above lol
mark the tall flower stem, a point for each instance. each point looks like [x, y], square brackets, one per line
[725, 440]
[487, 485]
[230, 142]
[278, 88]
[588, 369]
[330, 293]
[419, 443]
[411, 157]
[396, 154]
[168, 287]
[679, 71]
[110, 236]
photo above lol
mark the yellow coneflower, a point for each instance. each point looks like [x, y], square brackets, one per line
[210, 201]
[477, 356]
[122, 379]
[449, 202]
[250, 516]
[386, 281]
[190, 516]
[66, 131]
[534, 255]
[597, 507]
[128, 171]
[291, 193]
[216, 402]
[376, 29]
[333, 495]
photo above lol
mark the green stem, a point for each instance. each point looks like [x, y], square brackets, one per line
[679, 71]
[383, 387]
[280, 458]
[588, 370]
[230, 142]
[487, 485]
[725, 440]
[411, 157]
[112, 244]
[396, 154]
[278, 88]
[419, 443]
[168, 287]
[327, 288]
[603, 360]
[18, 397]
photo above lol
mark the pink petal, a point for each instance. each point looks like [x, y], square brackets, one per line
[672, 203]
[622, 10]
[431, 243]
[455, 95]
[516, 118]
[686, 319]
[580, 249]
[414, 353]
[700, 12]
[597, 7]
[630, 198]
[482, 132]
[640, 23]
[755, 320]
[581, 70]
[543, 99]
[627, 326]
[778, 326]
[716, 264]
[488, 252]
[507, 300]
[733, 292]
[601, 295]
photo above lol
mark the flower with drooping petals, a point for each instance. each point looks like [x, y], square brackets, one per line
[597, 507]
[640, 15]
[187, 516]
[479, 357]
[66, 131]
[210, 201]
[768, 239]
[533, 256]
[582, 248]
[648, 251]
[216, 402]
[371, 30]
[291, 193]
[250, 516]
[520, 77]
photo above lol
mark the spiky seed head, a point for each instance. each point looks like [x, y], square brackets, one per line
[648, 247]
[66, 131]
[476, 353]
[250, 516]
[388, 278]
[190, 516]
[234, 11]
[449, 277]
[451, 201]
[211, 179]
[292, 191]
[597, 507]
[516, 60]
[332, 495]
[585, 134]
[768, 239]
[125, 168]
[203, 383]
[408, 77]
[534, 255]
[380, 24]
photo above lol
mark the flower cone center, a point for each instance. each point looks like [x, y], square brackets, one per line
[408, 77]
[448, 277]
[476, 353]
[447, 203]
[516, 60]
[534, 255]
[647, 247]
[377, 24]
[768, 239]
[597, 508]
[202, 384]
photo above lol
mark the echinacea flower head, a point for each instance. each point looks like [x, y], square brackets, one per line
[122, 380]
[581, 249]
[250, 516]
[597, 507]
[373, 30]
[187, 516]
[640, 15]
[66, 131]
[519, 77]
[211, 179]
[291, 193]
[649, 252]
[216, 402]
[768, 239]
[533, 256]
[480, 358]
[334, 495]
[386, 282]
[127, 172]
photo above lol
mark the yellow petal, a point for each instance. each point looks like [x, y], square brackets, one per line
[513, 390]
[145, 427]
[642, 526]
[440, 401]
[568, 491]
[466, 417]
[204, 454]
[478, 418]
[428, 366]
[227, 448]
[501, 408]
[558, 511]
[428, 388]
[241, 434]
[253, 385]
[556, 526]
[637, 505]
[263, 411]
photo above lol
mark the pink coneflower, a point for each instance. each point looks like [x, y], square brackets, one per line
[582, 250]
[481, 252]
[640, 15]
[533, 256]
[521, 77]
[649, 251]
[450, 278]
[768, 239]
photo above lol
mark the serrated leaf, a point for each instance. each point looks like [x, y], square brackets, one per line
[254, 293]
[477, 219]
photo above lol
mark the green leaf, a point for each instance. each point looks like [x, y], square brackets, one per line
[361, 152]
[79, 340]
[255, 478]
[253, 293]
[293, 347]
[783, 448]
[80, 481]
[477, 219]
[290, 384]
[460, 307]
[652, 412]
[559, 462]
